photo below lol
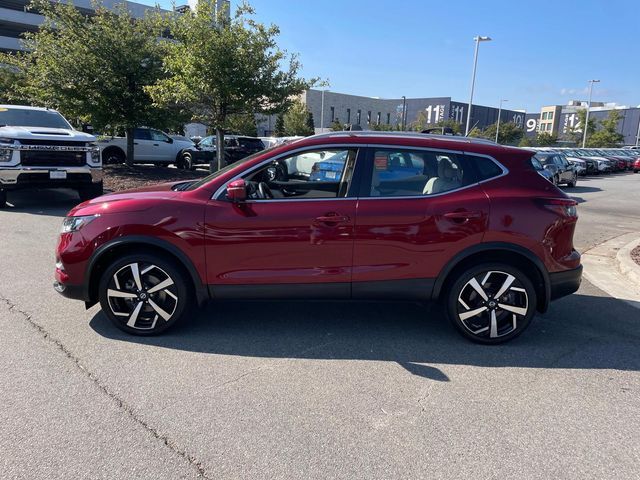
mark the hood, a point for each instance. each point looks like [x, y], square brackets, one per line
[136, 200]
[45, 133]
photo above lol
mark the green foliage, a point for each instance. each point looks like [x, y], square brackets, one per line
[576, 133]
[218, 66]
[93, 68]
[296, 120]
[608, 135]
[509, 133]
[279, 128]
[526, 142]
[336, 126]
[12, 83]
[311, 124]
[242, 124]
[420, 123]
[544, 139]
[384, 127]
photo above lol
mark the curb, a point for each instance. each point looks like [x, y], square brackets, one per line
[627, 265]
[609, 267]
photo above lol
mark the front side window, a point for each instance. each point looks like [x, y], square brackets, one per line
[322, 173]
[158, 136]
[410, 173]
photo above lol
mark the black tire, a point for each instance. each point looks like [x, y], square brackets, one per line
[573, 182]
[156, 311]
[113, 156]
[91, 191]
[463, 298]
[186, 160]
[3, 198]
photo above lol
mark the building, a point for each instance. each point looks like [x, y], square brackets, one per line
[562, 121]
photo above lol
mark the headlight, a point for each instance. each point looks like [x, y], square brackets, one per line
[5, 154]
[73, 224]
[94, 152]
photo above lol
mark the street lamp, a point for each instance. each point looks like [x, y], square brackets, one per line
[322, 113]
[585, 127]
[404, 112]
[477, 39]
[499, 112]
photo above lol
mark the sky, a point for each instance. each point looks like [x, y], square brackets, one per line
[542, 52]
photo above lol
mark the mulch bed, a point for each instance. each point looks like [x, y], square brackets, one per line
[635, 254]
[121, 177]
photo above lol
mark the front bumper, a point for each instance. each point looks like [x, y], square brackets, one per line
[565, 283]
[15, 178]
[75, 292]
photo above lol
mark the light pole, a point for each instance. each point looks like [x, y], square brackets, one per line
[585, 127]
[499, 112]
[404, 112]
[477, 39]
[322, 113]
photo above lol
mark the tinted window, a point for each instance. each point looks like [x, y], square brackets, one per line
[141, 134]
[251, 143]
[407, 173]
[18, 117]
[485, 167]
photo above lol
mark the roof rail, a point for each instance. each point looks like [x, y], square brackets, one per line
[373, 133]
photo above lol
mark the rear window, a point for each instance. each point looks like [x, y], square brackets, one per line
[485, 167]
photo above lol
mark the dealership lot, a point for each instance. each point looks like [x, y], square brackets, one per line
[317, 390]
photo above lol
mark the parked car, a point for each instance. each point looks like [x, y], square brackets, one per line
[563, 171]
[477, 228]
[636, 165]
[579, 164]
[236, 147]
[545, 172]
[40, 149]
[149, 146]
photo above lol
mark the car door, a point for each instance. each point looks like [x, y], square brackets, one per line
[142, 145]
[297, 244]
[408, 228]
[162, 147]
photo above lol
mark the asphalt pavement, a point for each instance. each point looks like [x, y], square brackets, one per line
[317, 390]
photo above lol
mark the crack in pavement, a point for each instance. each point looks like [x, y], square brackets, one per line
[121, 404]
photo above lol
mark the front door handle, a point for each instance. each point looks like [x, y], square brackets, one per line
[463, 215]
[333, 218]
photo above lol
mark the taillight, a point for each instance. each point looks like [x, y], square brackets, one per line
[565, 207]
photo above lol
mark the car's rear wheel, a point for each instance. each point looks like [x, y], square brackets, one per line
[491, 303]
[144, 294]
[3, 198]
[113, 156]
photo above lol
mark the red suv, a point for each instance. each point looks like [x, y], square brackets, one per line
[391, 216]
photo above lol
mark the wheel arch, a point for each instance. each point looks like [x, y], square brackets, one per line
[108, 252]
[113, 148]
[508, 253]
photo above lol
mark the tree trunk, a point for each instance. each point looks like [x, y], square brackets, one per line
[130, 154]
[219, 151]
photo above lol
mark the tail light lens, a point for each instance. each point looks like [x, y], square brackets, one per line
[565, 207]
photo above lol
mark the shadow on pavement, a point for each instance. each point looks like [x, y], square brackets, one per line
[52, 202]
[579, 332]
[581, 189]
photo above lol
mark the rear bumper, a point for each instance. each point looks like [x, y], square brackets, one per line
[565, 283]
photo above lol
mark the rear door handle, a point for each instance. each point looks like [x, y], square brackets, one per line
[462, 215]
[332, 219]
[156, 145]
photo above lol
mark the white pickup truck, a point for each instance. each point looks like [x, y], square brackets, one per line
[40, 149]
[149, 146]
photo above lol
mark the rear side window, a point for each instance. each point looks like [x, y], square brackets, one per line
[252, 143]
[415, 173]
[485, 167]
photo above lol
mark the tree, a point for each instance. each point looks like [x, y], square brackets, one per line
[311, 124]
[220, 65]
[608, 135]
[509, 133]
[336, 126]
[242, 124]
[296, 120]
[544, 139]
[93, 68]
[12, 82]
[525, 142]
[280, 125]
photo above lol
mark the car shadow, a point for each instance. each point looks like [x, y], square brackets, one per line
[581, 189]
[50, 202]
[580, 332]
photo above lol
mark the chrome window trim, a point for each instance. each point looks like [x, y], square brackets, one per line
[358, 146]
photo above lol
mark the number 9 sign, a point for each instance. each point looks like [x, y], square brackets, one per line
[532, 123]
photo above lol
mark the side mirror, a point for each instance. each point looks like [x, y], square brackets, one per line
[169, 140]
[237, 191]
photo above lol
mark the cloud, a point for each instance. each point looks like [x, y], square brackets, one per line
[574, 91]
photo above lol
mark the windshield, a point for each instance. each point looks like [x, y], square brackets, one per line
[22, 117]
[224, 170]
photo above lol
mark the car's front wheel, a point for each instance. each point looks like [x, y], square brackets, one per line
[144, 294]
[491, 303]
[573, 181]
[3, 198]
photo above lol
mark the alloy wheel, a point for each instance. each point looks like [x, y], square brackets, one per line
[141, 294]
[491, 305]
